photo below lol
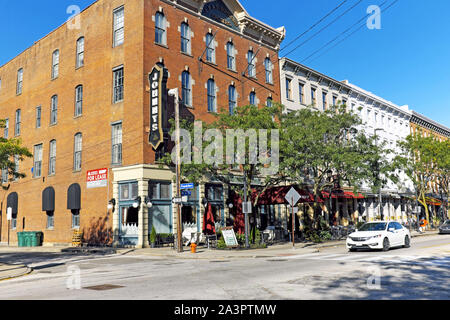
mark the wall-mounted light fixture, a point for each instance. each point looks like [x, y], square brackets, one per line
[148, 202]
[137, 202]
[111, 204]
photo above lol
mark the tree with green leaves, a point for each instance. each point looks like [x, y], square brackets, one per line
[325, 149]
[426, 160]
[230, 150]
[11, 150]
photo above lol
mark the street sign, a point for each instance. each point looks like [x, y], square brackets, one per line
[187, 186]
[177, 200]
[184, 199]
[246, 207]
[9, 214]
[186, 193]
[97, 178]
[292, 197]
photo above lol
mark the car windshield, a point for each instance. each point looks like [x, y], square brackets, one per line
[447, 223]
[373, 227]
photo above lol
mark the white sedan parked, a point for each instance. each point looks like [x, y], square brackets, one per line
[379, 235]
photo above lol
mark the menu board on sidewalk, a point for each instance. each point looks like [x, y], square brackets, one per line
[230, 237]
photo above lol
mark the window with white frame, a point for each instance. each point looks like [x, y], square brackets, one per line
[6, 130]
[80, 52]
[18, 122]
[52, 158]
[116, 143]
[301, 88]
[251, 64]
[185, 38]
[232, 101]
[19, 81]
[186, 88]
[210, 48]
[54, 110]
[160, 28]
[231, 56]
[50, 220]
[55, 64]
[268, 65]
[78, 100]
[16, 167]
[313, 96]
[212, 107]
[252, 98]
[38, 116]
[288, 89]
[78, 144]
[119, 24]
[37, 167]
[118, 89]
[324, 101]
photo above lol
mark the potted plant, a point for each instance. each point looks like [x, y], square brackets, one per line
[153, 237]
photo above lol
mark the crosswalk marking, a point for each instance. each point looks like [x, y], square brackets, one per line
[444, 261]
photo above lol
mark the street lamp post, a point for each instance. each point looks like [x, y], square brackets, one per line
[174, 93]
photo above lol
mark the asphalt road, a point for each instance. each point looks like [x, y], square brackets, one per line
[420, 272]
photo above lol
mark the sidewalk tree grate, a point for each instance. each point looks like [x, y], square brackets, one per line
[104, 287]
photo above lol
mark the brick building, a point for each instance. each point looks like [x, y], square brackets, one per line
[79, 99]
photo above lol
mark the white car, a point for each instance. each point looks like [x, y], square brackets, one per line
[379, 235]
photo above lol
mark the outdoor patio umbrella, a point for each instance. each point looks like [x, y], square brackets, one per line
[208, 222]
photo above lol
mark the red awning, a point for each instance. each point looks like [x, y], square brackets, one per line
[342, 195]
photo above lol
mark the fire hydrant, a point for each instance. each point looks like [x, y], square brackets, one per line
[193, 248]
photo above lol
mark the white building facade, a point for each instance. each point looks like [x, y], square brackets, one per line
[302, 86]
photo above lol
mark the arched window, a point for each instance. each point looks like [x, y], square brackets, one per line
[77, 150]
[269, 73]
[54, 110]
[231, 57]
[252, 98]
[80, 52]
[186, 88]
[232, 99]
[160, 28]
[78, 100]
[251, 64]
[210, 48]
[55, 64]
[212, 96]
[185, 38]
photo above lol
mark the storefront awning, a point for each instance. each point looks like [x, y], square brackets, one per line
[74, 197]
[342, 195]
[48, 199]
[12, 202]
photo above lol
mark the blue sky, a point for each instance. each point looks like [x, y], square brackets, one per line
[406, 62]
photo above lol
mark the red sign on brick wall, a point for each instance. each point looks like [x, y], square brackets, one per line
[97, 178]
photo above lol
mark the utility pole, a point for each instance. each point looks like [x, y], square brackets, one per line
[174, 93]
[380, 200]
[246, 210]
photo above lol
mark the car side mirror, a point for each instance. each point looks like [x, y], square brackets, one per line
[391, 229]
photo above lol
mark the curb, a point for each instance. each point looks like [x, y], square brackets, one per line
[27, 272]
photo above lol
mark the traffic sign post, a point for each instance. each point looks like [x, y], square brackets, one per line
[292, 198]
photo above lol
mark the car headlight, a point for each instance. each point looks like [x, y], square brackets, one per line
[375, 237]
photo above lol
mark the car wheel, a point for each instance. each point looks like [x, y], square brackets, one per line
[407, 242]
[386, 244]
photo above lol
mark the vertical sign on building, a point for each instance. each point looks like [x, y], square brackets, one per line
[158, 102]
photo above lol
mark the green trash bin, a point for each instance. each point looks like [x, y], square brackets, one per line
[39, 238]
[27, 239]
[20, 239]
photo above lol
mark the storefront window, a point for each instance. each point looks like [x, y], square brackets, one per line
[159, 190]
[128, 191]
[214, 192]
